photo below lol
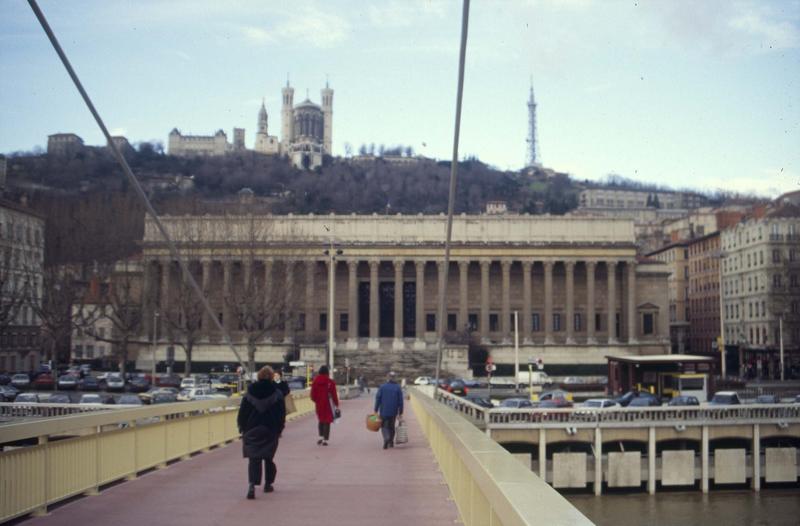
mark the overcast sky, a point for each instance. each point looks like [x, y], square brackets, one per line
[702, 94]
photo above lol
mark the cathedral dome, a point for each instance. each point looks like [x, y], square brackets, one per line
[307, 104]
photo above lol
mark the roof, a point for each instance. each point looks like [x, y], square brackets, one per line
[307, 104]
[662, 358]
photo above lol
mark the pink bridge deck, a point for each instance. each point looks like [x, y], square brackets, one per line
[351, 482]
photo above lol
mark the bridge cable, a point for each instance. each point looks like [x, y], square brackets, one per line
[451, 198]
[134, 181]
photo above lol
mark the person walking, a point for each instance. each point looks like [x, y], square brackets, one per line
[326, 402]
[262, 416]
[389, 405]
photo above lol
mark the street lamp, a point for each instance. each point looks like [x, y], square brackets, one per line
[331, 253]
[531, 363]
[153, 347]
[720, 256]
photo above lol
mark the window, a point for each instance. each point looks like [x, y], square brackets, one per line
[556, 322]
[776, 281]
[535, 324]
[793, 281]
[301, 321]
[323, 321]
[648, 323]
[472, 322]
[451, 322]
[776, 256]
[430, 322]
[344, 322]
[578, 324]
[617, 324]
[494, 323]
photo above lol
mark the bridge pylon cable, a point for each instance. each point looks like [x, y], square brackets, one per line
[134, 181]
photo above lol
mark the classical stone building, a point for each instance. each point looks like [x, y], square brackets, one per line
[576, 284]
[761, 285]
[197, 145]
[676, 257]
[21, 260]
[64, 144]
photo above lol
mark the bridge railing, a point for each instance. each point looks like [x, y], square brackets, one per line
[623, 416]
[77, 454]
[488, 485]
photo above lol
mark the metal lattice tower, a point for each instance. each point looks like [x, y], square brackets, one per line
[533, 157]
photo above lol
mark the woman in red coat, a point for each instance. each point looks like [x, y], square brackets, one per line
[326, 400]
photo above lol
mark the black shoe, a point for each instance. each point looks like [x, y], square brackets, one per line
[251, 492]
[268, 488]
[385, 445]
[319, 442]
[324, 442]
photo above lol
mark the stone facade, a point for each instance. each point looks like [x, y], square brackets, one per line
[703, 300]
[569, 279]
[676, 257]
[197, 145]
[21, 261]
[64, 144]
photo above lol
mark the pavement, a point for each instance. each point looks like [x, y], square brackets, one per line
[351, 482]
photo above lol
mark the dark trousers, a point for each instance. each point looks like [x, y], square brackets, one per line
[324, 430]
[254, 470]
[387, 429]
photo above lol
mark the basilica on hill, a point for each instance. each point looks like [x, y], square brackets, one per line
[306, 133]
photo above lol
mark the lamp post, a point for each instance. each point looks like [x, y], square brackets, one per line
[516, 351]
[720, 256]
[331, 253]
[153, 347]
[530, 377]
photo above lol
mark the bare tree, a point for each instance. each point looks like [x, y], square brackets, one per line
[13, 290]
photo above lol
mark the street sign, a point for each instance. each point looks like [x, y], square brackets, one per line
[490, 367]
[297, 364]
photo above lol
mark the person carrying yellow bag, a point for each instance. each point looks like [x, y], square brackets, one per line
[389, 405]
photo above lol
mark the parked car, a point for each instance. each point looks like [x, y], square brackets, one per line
[202, 379]
[68, 382]
[43, 381]
[424, 380]
[27, 398]
[516, 403]
[21, 381]
[139, 384]
[725, 398]
[472, 383]
[129, 399]
[768, 399]
[645, 401]
[89, 383]
[59, 398]
[457, 388]
[626, 399]
[85, 368]
[147, 397]
[684, 400]
[164, 398]
[555, 398]
[115, 382]
[8, 393]
[4, 379]
[96, 398]
[167, 380]
[600, 403]
[188, 383]
[194, 392]
[479, 400]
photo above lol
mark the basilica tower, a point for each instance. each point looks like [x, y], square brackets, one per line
[286, 116]
[327, 111]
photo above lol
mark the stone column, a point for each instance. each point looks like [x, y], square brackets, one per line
[291, 300]
[399, 264]
[704, 459]
[463, 301]
[569, 266]
[526, 301]
[598, 461]
[651, 460]
[208, 324]
[484, 323]
[227, 265]
[310, 310]
[611, 267]
[505, 311]
[352, 309]
[590, 307]
[543, 454]
[631, 302]
[548, 302]
[441, 288]
[420, 307]
[374, 312]
[756, 450]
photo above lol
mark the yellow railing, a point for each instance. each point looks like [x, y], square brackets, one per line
[488, 485]
[78, 454]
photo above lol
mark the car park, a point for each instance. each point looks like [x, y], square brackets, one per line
[21, 381]
[89, 383]
[67, 382]
[43, 381]
[115, 382]
[600, 403]
[27, 398]
[516, 403]
[683, 400]
[8, 393]
[768, 399]
[59, 398]
[725, 398]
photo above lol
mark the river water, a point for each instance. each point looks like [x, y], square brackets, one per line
[775, 507]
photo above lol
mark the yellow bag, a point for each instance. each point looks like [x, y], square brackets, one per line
[374, 422]
[288, 401]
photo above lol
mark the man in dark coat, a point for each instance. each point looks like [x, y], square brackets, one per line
[389, 404]
[262, 416]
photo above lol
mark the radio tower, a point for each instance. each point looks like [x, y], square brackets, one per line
[533, 144]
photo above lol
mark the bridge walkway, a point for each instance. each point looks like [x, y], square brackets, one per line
[353, 482]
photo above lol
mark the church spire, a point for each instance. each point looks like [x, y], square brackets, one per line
[262, 118]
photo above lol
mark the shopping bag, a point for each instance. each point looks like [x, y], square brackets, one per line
[401, 433]
[374, 422]
[288, 401]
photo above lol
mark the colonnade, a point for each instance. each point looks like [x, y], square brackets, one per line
[494, 318]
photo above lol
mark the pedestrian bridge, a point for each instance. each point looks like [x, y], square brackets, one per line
[682, 447]
[182, 464]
